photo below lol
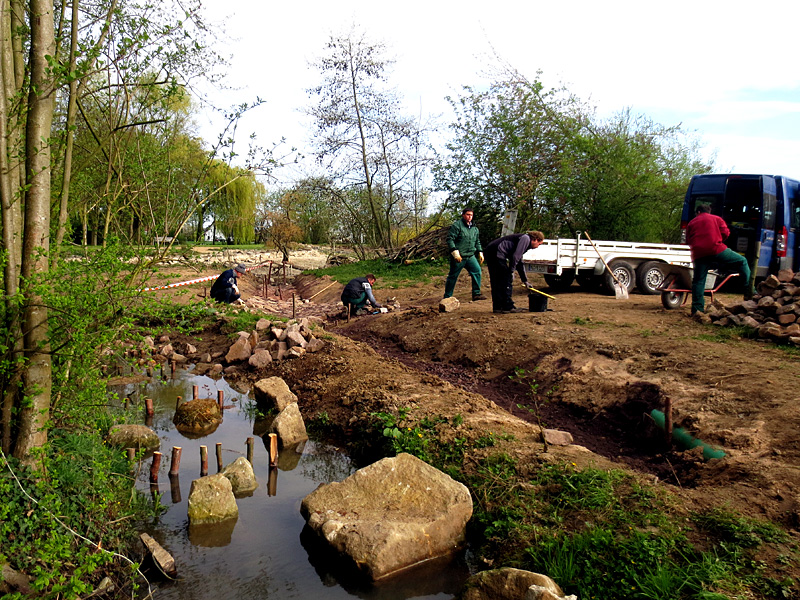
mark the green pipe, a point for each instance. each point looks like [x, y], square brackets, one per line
[686, 440]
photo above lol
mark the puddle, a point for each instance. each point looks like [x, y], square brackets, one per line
[265, 553]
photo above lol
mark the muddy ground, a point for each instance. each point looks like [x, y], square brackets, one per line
[593, 365]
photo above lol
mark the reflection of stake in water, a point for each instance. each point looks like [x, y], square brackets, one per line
[272, 484]
[175, 488]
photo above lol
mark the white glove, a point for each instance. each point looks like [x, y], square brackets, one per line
[527, 285]
[384, 310]
[456, 255]
[480, 257]
[236, 289]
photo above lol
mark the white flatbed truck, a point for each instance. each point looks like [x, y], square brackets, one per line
[635, 265]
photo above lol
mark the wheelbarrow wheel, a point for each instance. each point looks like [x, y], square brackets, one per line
[672, 300]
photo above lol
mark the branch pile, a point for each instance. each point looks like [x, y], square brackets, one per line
[431, 244]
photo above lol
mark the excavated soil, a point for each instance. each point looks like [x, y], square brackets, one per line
[593, 366]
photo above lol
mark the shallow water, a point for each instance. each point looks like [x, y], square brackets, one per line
[267, 552]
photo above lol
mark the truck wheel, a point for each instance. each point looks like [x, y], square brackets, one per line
[650, 277]
[672, 300]
[624, 273]
[561, 282]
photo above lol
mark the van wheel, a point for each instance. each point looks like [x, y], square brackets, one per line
[561, 282]
[672, 300]
[650, 277]
[624, 273]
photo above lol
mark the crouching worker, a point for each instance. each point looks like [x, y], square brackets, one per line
[225, 288]
[357, 293]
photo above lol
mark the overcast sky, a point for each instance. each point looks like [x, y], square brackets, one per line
[725, 69]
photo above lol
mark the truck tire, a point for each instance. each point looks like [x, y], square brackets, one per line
[672, 300]
[624, 272]
[649, 277]
[561, 282]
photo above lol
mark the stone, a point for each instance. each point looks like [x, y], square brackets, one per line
[393, 514]
[239, 351]
[506, 584]
[148, 342]
[263, 324]
[274, 392]
[215, 369]
[166, 350]
[178, 358]
[289, 426]
[198, 416]
[295, 352]
[554, 437]
[785, 275]
[240, 474]
[295, 338]
[190, 349]
[449, 304]
[315, 345]
[211, 500]
[133, 436]
[260, 359]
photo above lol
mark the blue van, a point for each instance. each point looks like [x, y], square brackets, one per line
[762, 212]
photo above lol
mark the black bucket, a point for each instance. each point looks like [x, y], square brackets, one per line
[537, 302]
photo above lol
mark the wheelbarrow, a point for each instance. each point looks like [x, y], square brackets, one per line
[677, 286]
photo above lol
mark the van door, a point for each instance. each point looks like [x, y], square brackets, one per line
[749, 209]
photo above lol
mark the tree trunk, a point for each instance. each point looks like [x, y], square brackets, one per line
[37, 374]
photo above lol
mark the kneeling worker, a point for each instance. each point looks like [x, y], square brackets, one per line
[225, 288]
[358, 292]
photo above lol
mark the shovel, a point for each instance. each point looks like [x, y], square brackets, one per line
[533, 289]
[620, 292]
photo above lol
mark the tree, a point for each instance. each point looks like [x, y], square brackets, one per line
[545, 154]
[363, 137]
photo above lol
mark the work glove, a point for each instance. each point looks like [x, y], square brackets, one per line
[456, 255]
[236, 289]
[527, 285]
[480, 257]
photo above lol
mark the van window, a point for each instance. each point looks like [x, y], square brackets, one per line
[743, 204]
[793, 198]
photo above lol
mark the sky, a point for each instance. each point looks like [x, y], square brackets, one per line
[726, 70]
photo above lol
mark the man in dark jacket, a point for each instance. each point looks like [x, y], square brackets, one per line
[358, 292]
[503, 255]
[705, 234]
[225, 288]
[464, 245]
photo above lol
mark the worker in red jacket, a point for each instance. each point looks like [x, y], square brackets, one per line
[705, 234]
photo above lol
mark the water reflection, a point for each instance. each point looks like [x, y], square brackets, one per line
[265, 552]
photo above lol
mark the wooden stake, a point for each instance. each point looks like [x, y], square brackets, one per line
[220, 399]
[249, 443]
[178, 401]
[195, 392]
[668, 421]
[269, 276]
[131, 454]
[219, 457]
[175, 465]
[155, 466]
[203, 461]
[273, 449]
[148, 407]
[293, 307]
[175, 488]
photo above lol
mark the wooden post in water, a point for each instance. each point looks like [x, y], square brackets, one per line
[249, 443]
[220, 399]
[148, 407]
[219, 457]
[155, 466]
[175, 488]
[178, 401]
[175, 465]
[203, 461]
[273, 449]
[195, 392]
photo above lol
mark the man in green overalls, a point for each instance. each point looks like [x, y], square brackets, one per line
[464, 245]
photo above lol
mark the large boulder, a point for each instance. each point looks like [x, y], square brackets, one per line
[391, 515]
[273, 392]
[239, 351]
[133, 436]
[508, 584]
[289, 426]
[240, 474]
[197, 417]
[211, 500]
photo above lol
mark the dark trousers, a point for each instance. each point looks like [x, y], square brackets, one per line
[500, 280]
[227, 295]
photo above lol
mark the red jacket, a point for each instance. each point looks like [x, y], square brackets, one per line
[705, 234]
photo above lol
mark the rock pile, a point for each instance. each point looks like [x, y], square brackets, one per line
[773, 314]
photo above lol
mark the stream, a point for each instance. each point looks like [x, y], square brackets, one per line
[268, 552]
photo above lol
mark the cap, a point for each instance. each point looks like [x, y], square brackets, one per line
[240, 268]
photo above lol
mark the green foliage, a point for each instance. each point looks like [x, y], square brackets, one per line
[544, 153]
[389, 274]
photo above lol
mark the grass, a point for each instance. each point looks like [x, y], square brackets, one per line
[598, 534]
[389, 274]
